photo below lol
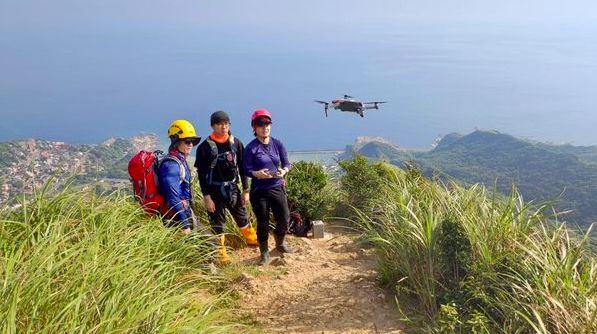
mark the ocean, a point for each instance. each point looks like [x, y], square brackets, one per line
[82, 86]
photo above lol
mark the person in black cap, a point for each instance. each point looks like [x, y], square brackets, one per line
[223, 183]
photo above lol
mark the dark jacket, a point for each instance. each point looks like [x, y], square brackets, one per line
[227, 167]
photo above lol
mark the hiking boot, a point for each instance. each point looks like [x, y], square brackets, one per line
[223, 258]
[249, 235]
[264, 257]
[281, 246]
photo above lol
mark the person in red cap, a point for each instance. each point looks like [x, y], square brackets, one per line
[266, 161]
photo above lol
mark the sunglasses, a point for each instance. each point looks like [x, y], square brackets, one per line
[266, 123]
[188, 142]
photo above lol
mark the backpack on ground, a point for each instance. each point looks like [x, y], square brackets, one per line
[143, 170]
[298, 226]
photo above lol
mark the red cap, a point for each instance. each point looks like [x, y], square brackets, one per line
[260, 113]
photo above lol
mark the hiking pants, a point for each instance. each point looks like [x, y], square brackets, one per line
[217, 219]
[262, 200]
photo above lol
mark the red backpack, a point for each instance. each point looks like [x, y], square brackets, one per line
[143, 169]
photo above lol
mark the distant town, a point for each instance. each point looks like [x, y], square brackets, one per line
[29, 164]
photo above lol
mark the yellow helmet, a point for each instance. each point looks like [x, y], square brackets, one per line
[182, 129]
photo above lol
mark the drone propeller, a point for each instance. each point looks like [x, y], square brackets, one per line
[325, 106]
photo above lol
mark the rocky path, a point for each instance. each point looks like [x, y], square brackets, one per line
[327, 286]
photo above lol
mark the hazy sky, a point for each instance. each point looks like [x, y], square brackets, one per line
[82, 71]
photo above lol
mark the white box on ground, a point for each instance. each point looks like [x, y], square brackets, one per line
[318, 229]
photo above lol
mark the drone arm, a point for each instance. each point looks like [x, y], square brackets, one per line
[325, 106]
[372, 105]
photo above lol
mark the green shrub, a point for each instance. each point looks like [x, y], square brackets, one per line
[309, 190]
[455, 257]
[448, 319]
[362, 184]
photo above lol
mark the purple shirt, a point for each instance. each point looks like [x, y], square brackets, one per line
[271, 156]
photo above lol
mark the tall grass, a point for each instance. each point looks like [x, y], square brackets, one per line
[553, 287]
[479, 262]
[78, 263]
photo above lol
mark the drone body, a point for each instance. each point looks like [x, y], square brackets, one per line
[349, 104]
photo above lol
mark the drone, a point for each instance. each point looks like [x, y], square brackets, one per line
[349, 104]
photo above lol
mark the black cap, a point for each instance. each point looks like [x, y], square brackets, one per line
[219, 117]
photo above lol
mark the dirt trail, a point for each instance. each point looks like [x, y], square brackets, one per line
[327, 286]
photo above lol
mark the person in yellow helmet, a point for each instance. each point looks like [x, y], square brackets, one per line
[174, 175]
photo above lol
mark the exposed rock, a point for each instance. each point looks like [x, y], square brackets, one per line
[246, 281]
[278, 261]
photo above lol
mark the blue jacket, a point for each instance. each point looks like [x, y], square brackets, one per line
[177, 192]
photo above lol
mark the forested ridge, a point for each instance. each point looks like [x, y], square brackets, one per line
[564, 173]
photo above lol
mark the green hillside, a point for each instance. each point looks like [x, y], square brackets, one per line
[587, 154]
[541, 171]
[380, 150]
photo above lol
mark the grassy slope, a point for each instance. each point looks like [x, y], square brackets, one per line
[74, 262]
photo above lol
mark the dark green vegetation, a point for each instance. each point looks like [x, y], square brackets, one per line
[76, 263]
[7, 157]
[112, 161]
[361, 184]
[474, 261]
[540, 171]
[309, 190]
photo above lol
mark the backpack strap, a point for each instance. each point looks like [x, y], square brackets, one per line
[182, 171]
[215, 155]
[232, 146]
[182, 176]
